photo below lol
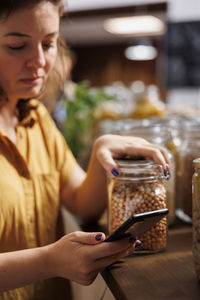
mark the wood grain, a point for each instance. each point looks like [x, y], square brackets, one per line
[166, 275]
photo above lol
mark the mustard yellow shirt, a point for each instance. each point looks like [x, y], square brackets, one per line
[32, 175]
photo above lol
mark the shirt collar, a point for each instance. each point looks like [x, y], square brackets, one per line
[30, 119]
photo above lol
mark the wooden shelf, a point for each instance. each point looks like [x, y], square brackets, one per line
[169, 275]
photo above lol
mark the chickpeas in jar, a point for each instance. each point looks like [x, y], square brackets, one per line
[162, 136]
[139, 188]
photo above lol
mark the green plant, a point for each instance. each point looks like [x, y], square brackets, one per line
[80, 116]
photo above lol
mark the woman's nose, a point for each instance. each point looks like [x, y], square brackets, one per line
[36, 58]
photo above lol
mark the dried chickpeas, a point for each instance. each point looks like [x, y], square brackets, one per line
[128, 197]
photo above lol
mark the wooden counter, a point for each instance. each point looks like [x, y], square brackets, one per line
[168, 275]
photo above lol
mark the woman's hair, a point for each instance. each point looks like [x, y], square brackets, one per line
[8, 7]
[56, 79]
[57, 75]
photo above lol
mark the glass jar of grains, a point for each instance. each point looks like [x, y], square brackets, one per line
[196, 215]
[159, 135]
[189, 150]
[139, 188]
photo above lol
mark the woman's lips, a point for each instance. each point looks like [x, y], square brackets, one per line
[32, 80]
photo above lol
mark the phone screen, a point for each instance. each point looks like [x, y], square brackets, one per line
[137, 225]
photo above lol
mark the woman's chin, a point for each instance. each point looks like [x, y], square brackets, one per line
[31, 94]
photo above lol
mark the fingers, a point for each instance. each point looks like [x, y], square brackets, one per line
[112, 146]
[110, 248]
[108, 162]
[164, 152]
[80, 255]
[101, 249]
[106, 261]
[158, 154]
[88, 238]
[148, 150]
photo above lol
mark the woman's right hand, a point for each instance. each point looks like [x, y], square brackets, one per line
[79, 256]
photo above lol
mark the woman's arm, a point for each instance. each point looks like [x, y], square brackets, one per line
[77, 256]
[86, 196]
[22, 267]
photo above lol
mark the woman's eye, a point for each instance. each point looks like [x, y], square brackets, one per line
[16, 47]
[47, 46]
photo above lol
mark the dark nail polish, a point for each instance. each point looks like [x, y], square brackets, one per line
[98, 237]
[138, 243]
[115, 172]
[165, 173]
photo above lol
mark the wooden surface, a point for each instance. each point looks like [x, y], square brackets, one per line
[168, 275]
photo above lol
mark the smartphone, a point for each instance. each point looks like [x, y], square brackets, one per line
[137, 225]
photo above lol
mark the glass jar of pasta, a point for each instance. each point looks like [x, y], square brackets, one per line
[139, 188]
[196, 215]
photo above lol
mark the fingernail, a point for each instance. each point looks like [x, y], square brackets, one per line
[138, 243]
[98, 237]
[115, 172]
[165, 173]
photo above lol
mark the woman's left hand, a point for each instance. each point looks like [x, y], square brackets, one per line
[108, 147]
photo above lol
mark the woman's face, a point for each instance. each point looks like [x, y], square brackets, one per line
[28, 49]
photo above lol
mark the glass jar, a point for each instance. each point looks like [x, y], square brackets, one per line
[139, 188]
[161, 136]
[196, 215]
[189, 150]
[148, 102]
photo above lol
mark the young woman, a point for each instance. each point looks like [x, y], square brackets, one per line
[38, 171]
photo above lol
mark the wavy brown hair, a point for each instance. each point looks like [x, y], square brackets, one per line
[57, 77]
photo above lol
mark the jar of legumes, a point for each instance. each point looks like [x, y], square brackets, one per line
[140, 187]
[196, 216]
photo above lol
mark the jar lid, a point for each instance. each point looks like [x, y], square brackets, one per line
[126, 162]
[136, 170]
[196, 162]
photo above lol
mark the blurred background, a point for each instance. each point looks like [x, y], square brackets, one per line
[99, 47]
[133, 68]
[123, 54]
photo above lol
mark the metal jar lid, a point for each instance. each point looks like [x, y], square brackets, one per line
[135, 170]
[196, 162]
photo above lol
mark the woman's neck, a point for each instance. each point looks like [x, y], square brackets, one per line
[9, 119]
